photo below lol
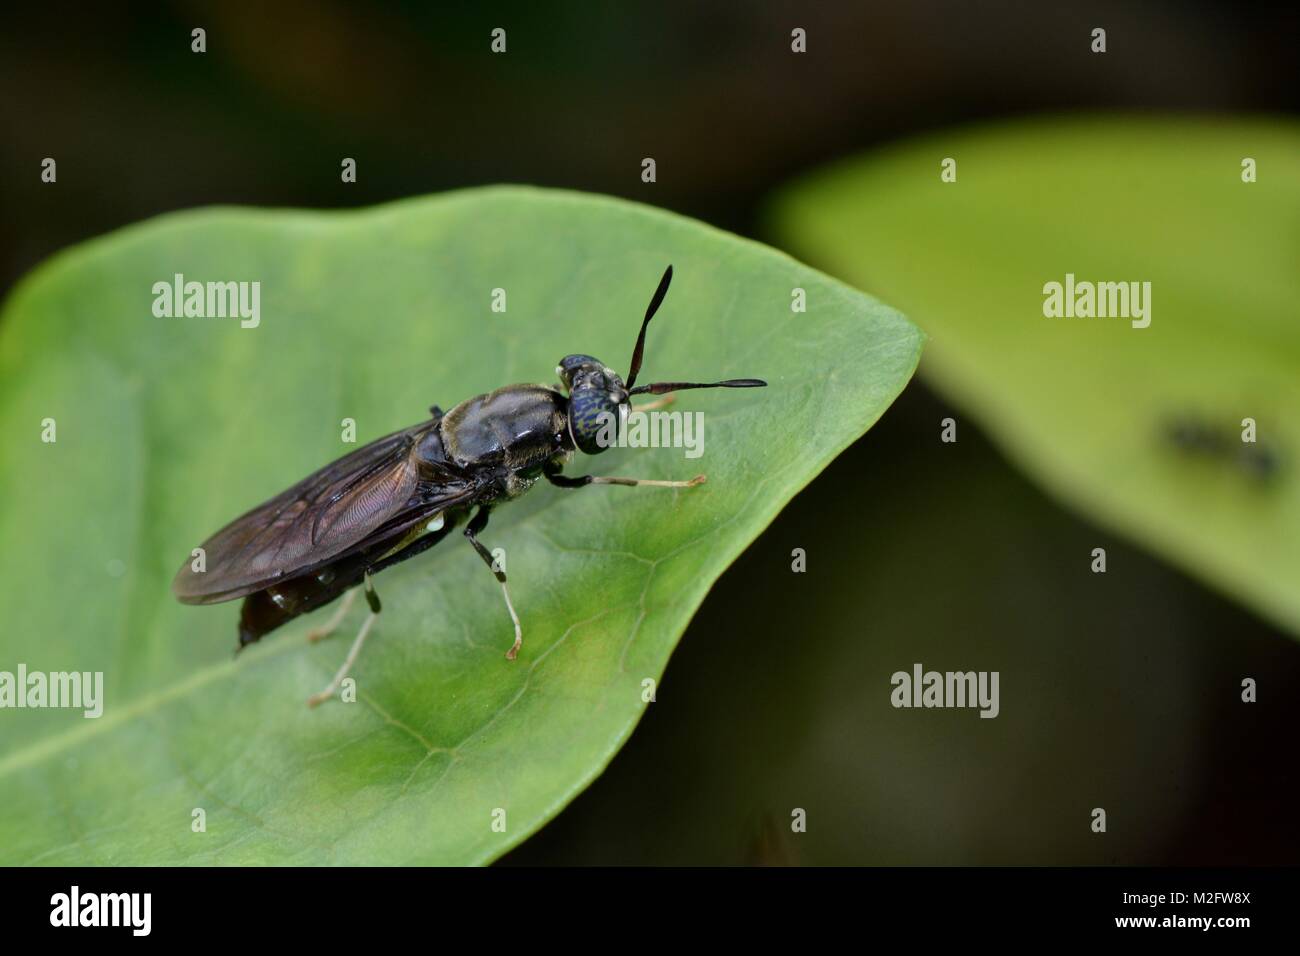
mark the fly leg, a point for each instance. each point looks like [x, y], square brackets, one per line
[373, 600]
[477, 524]
[661, 402]
[564, 481]
[335, 619]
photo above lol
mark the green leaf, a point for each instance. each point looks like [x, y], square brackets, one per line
[1086, 405]
[169, 427]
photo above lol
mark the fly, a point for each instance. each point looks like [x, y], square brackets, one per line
[398, 496]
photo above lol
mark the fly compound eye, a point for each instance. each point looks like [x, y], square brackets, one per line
[593, 419]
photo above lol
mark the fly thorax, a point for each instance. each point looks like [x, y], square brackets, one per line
[516, 484]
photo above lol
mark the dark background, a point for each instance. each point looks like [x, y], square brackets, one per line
[1118, 691]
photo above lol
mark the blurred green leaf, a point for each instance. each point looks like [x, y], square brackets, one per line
[1088, 405]
[167, 428]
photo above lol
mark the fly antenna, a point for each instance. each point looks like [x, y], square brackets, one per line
[662, 388]
[655, 301]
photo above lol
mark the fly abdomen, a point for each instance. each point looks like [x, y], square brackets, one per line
[264, 611]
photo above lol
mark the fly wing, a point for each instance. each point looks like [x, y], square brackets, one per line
[326, 515]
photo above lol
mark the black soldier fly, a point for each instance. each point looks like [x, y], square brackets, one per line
[402, 494]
